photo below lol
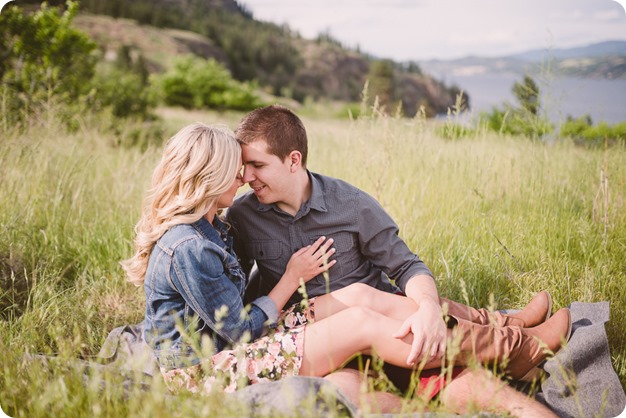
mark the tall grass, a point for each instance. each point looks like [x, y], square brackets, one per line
[496, 218]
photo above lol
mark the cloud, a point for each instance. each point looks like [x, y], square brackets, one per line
[607, 15]
[574, 14]
[423, 29]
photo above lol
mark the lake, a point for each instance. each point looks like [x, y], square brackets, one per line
[604, 100]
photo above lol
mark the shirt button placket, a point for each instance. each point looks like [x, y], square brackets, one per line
[293, 239]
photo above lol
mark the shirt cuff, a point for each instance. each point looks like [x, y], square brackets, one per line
[268, 307]
[416, 270]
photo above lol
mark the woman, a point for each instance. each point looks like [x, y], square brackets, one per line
[194, 286]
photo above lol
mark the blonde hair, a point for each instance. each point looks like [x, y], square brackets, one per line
[199, 164]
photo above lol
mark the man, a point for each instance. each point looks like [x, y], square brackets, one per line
[290, 207]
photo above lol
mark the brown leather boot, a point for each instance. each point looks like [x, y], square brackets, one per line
[518, 350]
[537, 311]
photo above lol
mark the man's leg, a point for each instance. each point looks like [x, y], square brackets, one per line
[353, 384]
[479, 390]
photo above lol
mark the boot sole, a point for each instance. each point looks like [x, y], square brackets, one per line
[549, 313]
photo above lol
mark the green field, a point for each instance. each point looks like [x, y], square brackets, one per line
[497, 219]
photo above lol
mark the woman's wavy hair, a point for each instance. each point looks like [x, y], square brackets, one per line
[199, 164]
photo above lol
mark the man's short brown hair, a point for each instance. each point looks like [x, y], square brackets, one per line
[278, 126]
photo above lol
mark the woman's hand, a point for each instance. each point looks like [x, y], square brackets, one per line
[311, 260]
[304, 264]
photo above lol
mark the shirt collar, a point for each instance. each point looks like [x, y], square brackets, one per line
[316, 201]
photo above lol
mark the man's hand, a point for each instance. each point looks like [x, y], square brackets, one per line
[428, 329]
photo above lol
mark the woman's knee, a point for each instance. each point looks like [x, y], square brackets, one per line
[361, 294]
[366, 321]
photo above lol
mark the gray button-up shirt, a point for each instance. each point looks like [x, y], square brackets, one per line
[368, 248]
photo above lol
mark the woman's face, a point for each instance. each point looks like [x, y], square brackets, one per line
[227, 198]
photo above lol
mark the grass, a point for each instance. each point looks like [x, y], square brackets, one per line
[497, 219]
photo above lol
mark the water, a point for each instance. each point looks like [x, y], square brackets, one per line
[603, 100]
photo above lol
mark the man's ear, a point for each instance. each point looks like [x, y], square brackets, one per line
[295, 160]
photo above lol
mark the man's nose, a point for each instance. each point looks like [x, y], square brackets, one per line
[248, 174]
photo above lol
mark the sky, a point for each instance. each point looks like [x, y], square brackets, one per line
[406, 30]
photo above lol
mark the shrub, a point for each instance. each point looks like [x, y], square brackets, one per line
[574, 128]
[124, 92]
[584, 132]
[197, 83]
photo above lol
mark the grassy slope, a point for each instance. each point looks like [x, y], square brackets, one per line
[493, 217]
[159, 46]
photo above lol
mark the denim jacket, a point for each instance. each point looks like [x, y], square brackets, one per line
[194, 280]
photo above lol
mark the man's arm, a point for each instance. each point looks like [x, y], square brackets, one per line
[380, 243]
[426, 324]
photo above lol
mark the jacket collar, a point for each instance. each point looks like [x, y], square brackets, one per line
[216, 232]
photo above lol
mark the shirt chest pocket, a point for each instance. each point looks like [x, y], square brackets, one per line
[347, 253]
[266, 250]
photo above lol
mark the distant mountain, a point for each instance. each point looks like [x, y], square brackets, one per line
[602, 49]
[604, 60]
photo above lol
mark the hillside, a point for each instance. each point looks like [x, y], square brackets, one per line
[283, 63]
[158, 46]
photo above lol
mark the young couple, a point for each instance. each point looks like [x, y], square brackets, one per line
[299, 227]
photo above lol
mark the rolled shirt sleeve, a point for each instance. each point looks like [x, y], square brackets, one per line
[381, 244]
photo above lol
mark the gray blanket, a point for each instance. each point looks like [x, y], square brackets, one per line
[581, 381]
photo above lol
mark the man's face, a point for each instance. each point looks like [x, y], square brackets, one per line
[268, 176]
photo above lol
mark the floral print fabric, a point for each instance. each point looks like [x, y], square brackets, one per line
[277, 355]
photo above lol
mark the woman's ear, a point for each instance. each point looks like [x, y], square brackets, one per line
[295, 159]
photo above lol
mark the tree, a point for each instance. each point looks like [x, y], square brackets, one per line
[525, 119]
[527, 94]
[43, 57]
[45, 63]
[381, 82]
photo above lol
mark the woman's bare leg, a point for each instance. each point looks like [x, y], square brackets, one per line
[329, 342]
[358, 294]
[477, 389]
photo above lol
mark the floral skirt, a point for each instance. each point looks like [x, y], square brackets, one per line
[269, 358]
